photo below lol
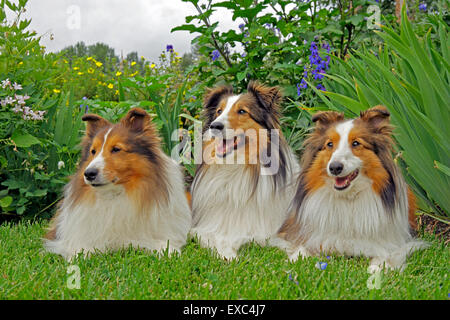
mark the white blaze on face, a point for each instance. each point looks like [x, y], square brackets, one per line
[343, 152]
[223, 117]
[99, 162]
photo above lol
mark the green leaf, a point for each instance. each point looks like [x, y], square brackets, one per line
[442, 168]
[241, 76]
[24, 140]
[21, 210]
[3, 162]
[187, 27]
[6, 201]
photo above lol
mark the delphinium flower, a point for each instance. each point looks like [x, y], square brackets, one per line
[317, 66]
[320, 87]
[300, 86]
[242, 26]
[169, 48]
[423, 7]
[215, 55]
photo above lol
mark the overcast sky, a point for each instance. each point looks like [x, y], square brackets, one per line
[126, 25]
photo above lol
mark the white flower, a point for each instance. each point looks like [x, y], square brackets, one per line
[61, 165]
[3, 103]
[6, 83]
[17, 86]
[35, 116]
[17, 109]
[27, 111]
[20, 99]
[9, 100]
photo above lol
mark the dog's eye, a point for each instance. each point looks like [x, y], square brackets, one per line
[355, 143]
[115, 150]
[242, 111]
[219, 111]
[93, 151]
[330, 144]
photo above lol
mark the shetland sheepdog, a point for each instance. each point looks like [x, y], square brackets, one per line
[126, 192]
[351, 198]
[241, 190]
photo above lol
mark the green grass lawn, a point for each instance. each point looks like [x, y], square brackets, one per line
[28, 272]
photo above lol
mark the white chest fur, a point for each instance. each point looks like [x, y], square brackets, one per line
[113, 221]
[229, 211]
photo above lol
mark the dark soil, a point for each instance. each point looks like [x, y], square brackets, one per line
[433, 226]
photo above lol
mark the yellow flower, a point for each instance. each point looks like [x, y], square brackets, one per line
[100, 83]
[117, 92]
[89, 58]
[98, 64]
[65, 61]
[76, 68]
[110, 86]
[20, 63]
[134, 74]
[118, 73]
[56, 91]
[90, 70]
[152, 65]
[133, 63]
[80, 73]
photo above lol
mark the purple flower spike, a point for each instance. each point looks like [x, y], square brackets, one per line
[215, 55]
[320, 87]
[423, 7]
[169, 47]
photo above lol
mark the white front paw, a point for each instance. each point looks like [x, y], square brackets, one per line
[227, 253]
[299, 252]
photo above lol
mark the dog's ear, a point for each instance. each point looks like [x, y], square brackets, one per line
[94, 124]
[268, 98]
[376, 115]
[377, 119]
[136, 120]
[213, 96]
[323, 119]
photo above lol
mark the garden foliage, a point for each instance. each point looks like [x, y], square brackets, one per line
[322, 54]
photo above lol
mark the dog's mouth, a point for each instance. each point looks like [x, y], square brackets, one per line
[225, 146]
[103, 184]
[97, 185]
[341, 183]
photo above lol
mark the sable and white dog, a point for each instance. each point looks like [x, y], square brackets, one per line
[242, 189]
[126, 192]
[351, 197]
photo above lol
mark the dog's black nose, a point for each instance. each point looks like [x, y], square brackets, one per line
[91, 174]
[336, 168]
[217, 126]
